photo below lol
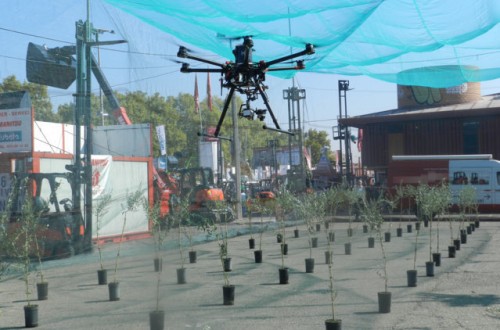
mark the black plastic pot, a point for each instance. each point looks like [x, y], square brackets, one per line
[384, 302]
[284, 248]
[463, 236]
[181, 275]
[409, 228]
[436, 258]
[31, 316]
[296, 233]
[102, 276]
[452, 252]
[426, 223]
[258, 256]
[327, 225]
[328, 257]
[228, 294]
[158, 264]
[347, 248]
[399, 232]
[157, 320]
[318, 227]
[387, 236]
[476, 223]
[371, 242]
[42, 290]
[472, 226]
[469, 230]
[114, 291]
[331, 236]
[279, 238]
[349, 232]
[456, 242]
[283, 275]
[417, 225]
[251, 243]
[365, 229]
[332, 324]
[309, 265]
[227, 264]
[314, 242]
[429, 268]
[411, 278]
[192, 257]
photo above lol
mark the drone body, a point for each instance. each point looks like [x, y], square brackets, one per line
[245, 77]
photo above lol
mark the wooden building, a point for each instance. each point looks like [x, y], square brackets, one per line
[430, 121]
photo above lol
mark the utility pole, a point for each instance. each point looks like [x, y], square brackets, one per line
[344, 133]
[293, 95]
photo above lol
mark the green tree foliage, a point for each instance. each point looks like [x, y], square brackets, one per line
[316, 140]
[177, 113]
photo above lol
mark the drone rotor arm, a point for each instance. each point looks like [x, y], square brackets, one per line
[183, 53]
[187, 69]
[308, 51]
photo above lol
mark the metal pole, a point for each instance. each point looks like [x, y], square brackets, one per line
[236, 158]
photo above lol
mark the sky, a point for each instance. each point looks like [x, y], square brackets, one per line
[146, 62]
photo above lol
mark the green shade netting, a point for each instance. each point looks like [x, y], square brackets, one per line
[435, 43]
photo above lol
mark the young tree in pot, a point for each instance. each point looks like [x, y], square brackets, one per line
[221, 237]
[350, 198]
[261, 209]
[132, 202]
[441, 202]
[426, 201]
[100, 209]
[180, 217]
[467, 202]
[306, 209]
[373, 215]
[329, 198]
[159, 232]
[24, 243]
[283, 203]
[400, 195]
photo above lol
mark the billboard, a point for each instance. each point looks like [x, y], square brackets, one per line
[15, 130]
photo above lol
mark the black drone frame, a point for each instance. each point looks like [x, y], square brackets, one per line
[245, 77]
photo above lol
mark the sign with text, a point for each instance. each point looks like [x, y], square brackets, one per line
[15, 130]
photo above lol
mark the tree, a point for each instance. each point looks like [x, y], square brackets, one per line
[315, 140]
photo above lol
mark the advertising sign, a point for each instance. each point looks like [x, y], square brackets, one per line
[15, 130]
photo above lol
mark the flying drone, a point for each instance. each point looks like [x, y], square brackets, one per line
[245, 77]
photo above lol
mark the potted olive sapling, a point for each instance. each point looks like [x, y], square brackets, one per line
[159, 229]
[159, 233]
[399, 197]
[467, 203]
[373, 215]
[330, 203]
[426, 204]
[307, 210]
[24, 239]
[100, 209]
[350, 198]
[441, 202]
[132, 202]
[413, 193]
[251, 208]
[261, 209]
[181, 216]
[283, 204]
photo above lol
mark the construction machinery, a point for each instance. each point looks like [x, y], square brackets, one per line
[206, 201]
[57, 227]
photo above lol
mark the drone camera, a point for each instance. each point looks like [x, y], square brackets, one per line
[261, 114]
[247, 113]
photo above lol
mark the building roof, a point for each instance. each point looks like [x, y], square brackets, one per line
[488, 105]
